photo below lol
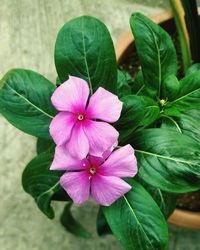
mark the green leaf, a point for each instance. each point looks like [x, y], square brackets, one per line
[188, 95]
[187, 123]
[137, 111]
[41, 183]
[168, 160]
[193, 68]
[138, 87]
[155, 50]
[43, 145]
[71, 225]
[123, 81]
[102, 224]
[166, 201]
[171, 87]
[85, 49]
[136, 220]
[25, 101]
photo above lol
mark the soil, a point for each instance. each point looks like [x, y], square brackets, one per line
[189, 201]
[130, 64]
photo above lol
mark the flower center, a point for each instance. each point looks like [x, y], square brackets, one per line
[92, 170]
[81, 117]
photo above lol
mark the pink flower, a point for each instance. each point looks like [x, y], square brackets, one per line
[76, 125]
[96, 176]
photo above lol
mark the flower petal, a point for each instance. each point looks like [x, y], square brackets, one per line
[107, 189]
[101, 135]
[78, 145]
[61, 127]
[77, 185]
[71, 96]
[121, 163]
[104, 105]
[64, 161]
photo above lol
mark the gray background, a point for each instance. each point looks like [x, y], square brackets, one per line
[28, 30]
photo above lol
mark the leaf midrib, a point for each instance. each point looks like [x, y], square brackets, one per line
[164, 157]
[184, 96]
[85, 60]
[158, 55]
[137, 221]
[26, 100]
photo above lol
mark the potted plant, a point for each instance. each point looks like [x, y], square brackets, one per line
[105, 135]
[188, 212]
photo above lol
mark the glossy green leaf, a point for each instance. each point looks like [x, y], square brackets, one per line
[193, 68]
[156, 52]
[102, 224]
[189, 94]
[186, 123]
[123, 81]
[170, 88]
[136, 220]
[85, 49]
[43, 145]
[138, 87]
[41, 183]
[137, 111]
[168, 160]
[25, 101]
[166, 201]
[71, 225]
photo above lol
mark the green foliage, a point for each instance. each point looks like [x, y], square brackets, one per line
[156, 52]
[124, 82]
[188, 95]
[136, 220]
[138, 111]
[43, 145]
[186, 123]
[168, 160]
[71, 225]
[168, 152]
[85, 49]
[41, 183]
[25, 101]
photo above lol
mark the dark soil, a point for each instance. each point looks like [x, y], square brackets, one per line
[189, 201]
[130, 64]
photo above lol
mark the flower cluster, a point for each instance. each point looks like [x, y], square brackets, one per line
[85, 142]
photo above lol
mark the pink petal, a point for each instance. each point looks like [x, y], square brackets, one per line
[107, 189]
[77, 185]
[104, 105]
[61, 127]
[78, 145]
[71, 96]
[64, 161]
[101, 135]
[121, 163]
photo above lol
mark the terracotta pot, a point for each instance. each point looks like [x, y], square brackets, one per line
[124, 45]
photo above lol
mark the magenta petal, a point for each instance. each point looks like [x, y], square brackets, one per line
[78, 145]
[104, 105]
[107, 189]
[61, 127]
[101, 135]
[122, 163]
[77, 185]
[71, 96]
[64, 161]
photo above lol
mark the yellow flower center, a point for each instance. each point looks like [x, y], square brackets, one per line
[92, 170]
[81, 117]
